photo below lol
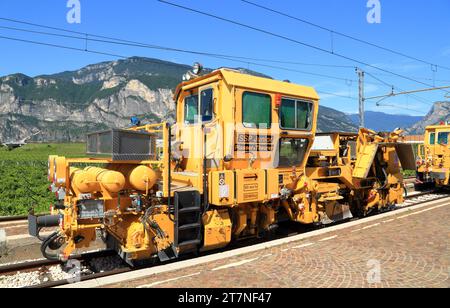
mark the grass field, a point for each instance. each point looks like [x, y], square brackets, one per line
[23, 176]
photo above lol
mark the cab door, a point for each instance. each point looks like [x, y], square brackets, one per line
[199, 118]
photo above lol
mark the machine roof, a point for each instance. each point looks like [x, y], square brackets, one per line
[239, 79]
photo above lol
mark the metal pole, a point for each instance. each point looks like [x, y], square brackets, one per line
[360, 73]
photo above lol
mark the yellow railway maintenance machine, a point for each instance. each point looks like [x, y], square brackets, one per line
[433, 163]
[365, 167]
[232, 167]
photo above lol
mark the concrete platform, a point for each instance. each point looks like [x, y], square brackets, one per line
[405, 248]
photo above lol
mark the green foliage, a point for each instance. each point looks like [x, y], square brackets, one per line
[23, 176]
[63, 92]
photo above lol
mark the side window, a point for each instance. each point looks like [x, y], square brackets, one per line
[432, 138]
[292, 152]
[295, 114]
[191, 109]
[256, 110]
[287, 113]
[206, 104]
[303, 115]
[195, 112]
[443, 138]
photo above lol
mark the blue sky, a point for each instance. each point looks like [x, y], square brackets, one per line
[417, 28]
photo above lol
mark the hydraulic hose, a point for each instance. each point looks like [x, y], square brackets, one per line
[46, 243]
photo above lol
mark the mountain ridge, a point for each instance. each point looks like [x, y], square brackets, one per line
[380, 121]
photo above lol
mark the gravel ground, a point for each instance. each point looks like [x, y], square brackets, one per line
[58, 272]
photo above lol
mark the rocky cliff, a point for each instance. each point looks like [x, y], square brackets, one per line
[440, 112]
[65, 106]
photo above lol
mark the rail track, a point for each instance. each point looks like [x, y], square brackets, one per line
[410, 200]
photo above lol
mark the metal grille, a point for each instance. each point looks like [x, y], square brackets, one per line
[122, 145]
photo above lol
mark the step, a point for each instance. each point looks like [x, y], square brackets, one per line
[190, 209]
[189, 226]
[188, 243]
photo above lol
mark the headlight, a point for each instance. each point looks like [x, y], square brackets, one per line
[197, 68]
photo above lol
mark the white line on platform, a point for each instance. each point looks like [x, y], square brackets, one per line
[139, 274]
[236, 264]
[287, 249]
[267, 255]
[166, 281]
[389, 220]
[404, 216]
[357, 230]
[371, 226]
[328, 238]
[303, 246]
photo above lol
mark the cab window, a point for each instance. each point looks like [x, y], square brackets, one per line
[295, 114]
[432, 138]
[292, 151]
[195, 111]
[256, 110]
[191, 109]
[206, 104]
[443, 138]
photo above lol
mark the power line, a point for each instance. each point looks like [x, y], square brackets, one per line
[238, 59]
[345, 35]
[293, 41]
[108, 54]
[89, 36]
[230, 58]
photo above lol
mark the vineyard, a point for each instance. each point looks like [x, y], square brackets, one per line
[23, 176]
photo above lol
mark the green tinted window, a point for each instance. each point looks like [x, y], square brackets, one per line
[256, 110]
[287, 112]
[303, 114]
[295, 114]
[207, 99]
[191, 109]
[443, 138]
[432, 138]
[292, 152]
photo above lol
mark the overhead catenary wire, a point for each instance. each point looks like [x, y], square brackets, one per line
[138, 44]
[296, 41]
[238, 59]
[90, 36]
[109, 54]
[334, 32]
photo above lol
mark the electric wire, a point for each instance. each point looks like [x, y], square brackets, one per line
[344, 35]
[273, 34]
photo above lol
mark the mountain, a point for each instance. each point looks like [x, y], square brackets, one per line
[380, 121]
[331, 120]
[67, 105]
[440, 112]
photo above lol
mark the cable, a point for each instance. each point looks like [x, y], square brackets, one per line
[100, 53]
[382, 81]
[230, 58]
[89, 36]
[343, 34]
[294, 41]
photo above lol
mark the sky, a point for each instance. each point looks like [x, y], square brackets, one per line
[417, 28]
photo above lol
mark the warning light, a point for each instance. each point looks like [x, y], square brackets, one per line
[278, 99]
